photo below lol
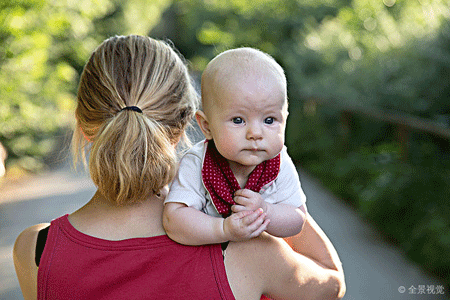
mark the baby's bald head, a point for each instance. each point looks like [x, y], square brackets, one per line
[234, 66]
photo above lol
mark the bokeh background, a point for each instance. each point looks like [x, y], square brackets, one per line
[369, 92]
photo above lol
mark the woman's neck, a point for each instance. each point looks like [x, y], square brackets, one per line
[104, 219]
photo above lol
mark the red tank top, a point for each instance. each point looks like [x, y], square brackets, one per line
[77, 266]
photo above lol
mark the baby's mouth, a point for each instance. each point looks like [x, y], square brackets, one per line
[254, 149]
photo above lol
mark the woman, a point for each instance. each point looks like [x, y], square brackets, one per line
[135, 100]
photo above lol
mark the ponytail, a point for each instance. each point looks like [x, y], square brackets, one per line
[131, 158]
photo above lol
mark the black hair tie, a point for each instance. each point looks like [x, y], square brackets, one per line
[133, 108]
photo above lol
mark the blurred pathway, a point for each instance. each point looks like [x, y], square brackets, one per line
[373, 269]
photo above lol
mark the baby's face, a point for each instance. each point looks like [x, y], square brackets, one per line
[247, 119]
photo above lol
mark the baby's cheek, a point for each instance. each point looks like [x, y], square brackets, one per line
[226, 147]
[277, 140]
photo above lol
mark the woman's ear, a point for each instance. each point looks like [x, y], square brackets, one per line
[202, 122]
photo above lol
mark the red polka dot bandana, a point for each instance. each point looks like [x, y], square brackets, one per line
[221, 183]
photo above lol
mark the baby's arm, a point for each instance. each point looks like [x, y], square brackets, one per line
[184, 220]
[188, 226]
[285, 219]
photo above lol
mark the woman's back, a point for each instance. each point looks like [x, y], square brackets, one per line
[78, 266]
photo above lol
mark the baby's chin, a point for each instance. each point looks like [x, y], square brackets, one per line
[252, 160]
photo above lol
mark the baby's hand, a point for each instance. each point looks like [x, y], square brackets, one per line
[245, 225]
[248, 200]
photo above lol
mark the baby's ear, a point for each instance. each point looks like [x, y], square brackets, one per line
[202, 122]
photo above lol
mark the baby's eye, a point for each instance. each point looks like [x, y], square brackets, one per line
[237, 120]
[269, 120]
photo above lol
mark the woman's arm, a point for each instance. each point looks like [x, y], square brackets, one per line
[314, 243]
[267, 265]
[24, 260]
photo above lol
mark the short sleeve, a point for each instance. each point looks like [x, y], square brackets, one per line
[187, 187]
[289, 190]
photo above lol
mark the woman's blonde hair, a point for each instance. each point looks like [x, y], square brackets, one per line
[132, 154]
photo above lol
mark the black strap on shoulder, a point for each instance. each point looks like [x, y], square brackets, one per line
[224, 247]
[40, 244]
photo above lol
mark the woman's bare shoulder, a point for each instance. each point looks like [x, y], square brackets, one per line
[24, 259]
[26, 240]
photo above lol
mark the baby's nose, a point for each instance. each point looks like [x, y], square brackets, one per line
[254, 131]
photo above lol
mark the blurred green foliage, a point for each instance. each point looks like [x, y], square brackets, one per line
[43, 47]
[392, 54]
[387, 56]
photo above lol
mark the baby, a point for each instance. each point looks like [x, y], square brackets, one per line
[240, 181]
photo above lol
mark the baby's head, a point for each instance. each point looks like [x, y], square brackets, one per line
[244, 99]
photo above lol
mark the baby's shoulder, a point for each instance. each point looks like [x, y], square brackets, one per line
[285, 159]
[284, 154]
[198, 149]
[194, 155]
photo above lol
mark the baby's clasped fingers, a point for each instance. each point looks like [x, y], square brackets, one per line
[256, 223]
[255, 217]
[245, 225]
[246, 193]
[249, 199]
[237, 208]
